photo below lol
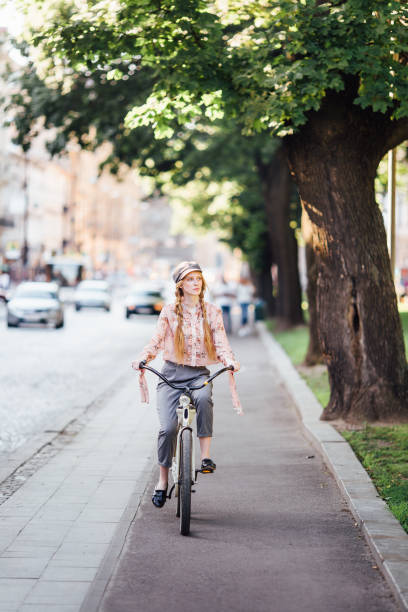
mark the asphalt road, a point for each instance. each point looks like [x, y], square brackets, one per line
[270, 531]
[45, 372]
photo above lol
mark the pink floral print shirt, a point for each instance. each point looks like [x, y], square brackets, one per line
[195, 353]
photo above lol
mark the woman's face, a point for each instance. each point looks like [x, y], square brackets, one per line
[192, 283]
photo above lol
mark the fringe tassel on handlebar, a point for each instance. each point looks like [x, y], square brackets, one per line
[234, 394]
[144, 389]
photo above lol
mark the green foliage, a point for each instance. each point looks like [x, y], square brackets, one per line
[261, 65]
[93, 101]
[266, 62]
[92, 110]
[221, 154]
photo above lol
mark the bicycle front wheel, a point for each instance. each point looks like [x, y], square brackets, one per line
[185, 481]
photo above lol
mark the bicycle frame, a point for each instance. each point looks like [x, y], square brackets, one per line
[185, 414]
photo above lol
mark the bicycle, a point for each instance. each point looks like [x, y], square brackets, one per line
[183, 470]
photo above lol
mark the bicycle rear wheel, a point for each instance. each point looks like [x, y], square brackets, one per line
[185, 481]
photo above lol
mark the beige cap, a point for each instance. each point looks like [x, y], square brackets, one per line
[184, 268]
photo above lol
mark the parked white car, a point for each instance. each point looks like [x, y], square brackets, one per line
[35, 302]
[93, 294]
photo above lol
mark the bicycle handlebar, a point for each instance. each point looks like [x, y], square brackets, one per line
[143, 366]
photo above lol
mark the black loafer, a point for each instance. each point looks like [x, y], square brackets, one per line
[159, 498]
[208, 466]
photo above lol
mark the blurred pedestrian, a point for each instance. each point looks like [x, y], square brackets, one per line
[225, 295]
[245, 293]
[4, 279]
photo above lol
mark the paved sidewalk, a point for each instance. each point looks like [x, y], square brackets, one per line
[270, 529]
[57, 528]
[384, 534]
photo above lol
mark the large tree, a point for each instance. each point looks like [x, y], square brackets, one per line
[330, 77]
[258, 217]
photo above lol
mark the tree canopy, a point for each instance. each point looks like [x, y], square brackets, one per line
[268, 62]
[92, 112]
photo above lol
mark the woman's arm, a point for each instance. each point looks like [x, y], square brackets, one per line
[156, 344]
[221, 343]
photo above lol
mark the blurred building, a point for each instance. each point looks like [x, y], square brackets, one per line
[61, 206]
[64, 206]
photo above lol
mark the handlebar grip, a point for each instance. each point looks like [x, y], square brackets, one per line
[142, 364]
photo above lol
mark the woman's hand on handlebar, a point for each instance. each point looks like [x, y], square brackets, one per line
[137, 364]
[236, 365]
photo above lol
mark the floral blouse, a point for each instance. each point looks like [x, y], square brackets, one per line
[195, 353]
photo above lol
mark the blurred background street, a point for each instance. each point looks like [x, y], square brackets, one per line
[44, 371]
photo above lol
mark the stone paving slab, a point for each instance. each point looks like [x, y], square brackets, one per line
[30, 568]
[58, 423]
[387, 539]
[56, 529]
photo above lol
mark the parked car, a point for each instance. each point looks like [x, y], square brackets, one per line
[35, 302]
[92, 294]
[143, 301]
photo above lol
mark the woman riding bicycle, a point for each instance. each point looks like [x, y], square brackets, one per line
[191, 333]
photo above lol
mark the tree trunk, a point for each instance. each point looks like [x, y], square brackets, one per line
[276, 186]
[334, 159]
[314, 350]
[267, 292]
[264, 287]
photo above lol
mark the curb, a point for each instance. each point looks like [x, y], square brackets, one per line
[94, 596]
[96, 591]
[384, 534]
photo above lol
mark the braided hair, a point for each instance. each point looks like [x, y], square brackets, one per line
[179, 341]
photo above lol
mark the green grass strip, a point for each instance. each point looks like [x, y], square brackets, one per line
[383, 451]
[294, 342]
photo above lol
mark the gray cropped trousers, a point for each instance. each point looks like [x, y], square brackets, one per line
[167, 404]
